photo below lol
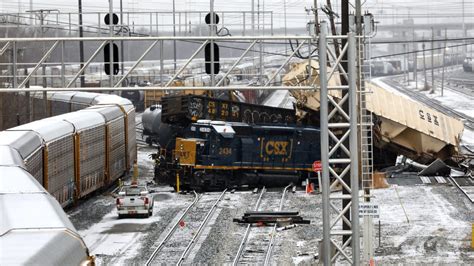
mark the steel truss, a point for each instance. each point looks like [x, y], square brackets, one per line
[337, 159]
[70, 79]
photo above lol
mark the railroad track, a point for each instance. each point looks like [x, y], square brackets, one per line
[247, 230]
[465, 185]
[468, 121]
[177, 244]
[257, 248]
[268, 255]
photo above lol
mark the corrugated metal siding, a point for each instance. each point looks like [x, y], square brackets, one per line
[92, 159]
[34, 164]
[132, 137]
[61, 169]
[117, 148]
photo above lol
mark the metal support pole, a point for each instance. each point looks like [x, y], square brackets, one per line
[261, 32]
[432, 61]
[162, 65]
[345, 30]
[161, 62]
[81, 43]
[14, 65]
[174, 35]
[444, 58]
[354, 149]
[415, 61]
[63, 67]
[324, 145]
[122, 66]
[243, 24]
[211, 33]
[111, 43]
[425, 84]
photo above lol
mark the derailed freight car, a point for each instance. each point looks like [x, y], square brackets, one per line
[213, 155]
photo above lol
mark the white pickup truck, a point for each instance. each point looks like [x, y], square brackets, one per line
[134, 200]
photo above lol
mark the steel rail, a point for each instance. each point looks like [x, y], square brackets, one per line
[247, 231]
[200, 229]
[157, 249]
[268, 254]
[462, 190]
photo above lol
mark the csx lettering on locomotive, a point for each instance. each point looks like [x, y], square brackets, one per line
[276, 147]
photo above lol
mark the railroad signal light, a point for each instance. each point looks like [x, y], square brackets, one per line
[207, 50]
[208, 59]
[115, 19]
[115, 54]
[207, 19]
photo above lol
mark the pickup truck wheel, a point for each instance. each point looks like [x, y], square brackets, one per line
[151, 212]
[120, 216]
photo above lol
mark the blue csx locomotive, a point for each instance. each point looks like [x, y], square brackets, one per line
[212, 155]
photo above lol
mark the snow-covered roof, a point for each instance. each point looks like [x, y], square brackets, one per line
[49, 128]
[10, 156]
[113, 99]
[31, 211]
[110, 112]
[62, 96]
[26, 142]
[82, 120]
[17, 180]
[84, 97]
[41, 247]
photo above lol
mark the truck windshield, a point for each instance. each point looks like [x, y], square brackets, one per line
[133, 191]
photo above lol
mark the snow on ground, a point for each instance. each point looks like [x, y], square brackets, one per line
[114, 241]
[424, 225]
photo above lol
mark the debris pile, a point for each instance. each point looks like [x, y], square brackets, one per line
[272, 217]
